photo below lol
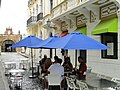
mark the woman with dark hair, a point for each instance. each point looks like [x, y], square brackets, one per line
[67, 64]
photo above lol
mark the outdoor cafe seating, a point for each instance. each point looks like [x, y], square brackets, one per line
[15, 79]
[76, 84]
[54, 80]
[23, 63]
[8, 66]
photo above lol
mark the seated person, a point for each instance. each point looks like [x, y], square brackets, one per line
[42, 62]
[46, 65]
[56, 68]
[67, 65]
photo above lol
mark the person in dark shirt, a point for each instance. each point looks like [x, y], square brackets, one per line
[67, 65]
[82, 69]
[42, 62]
[47, 64]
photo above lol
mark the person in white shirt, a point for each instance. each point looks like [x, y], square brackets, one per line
[57, 68]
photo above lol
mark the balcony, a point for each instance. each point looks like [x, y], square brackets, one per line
[32, 20]
[66, 6]
[29, 2]
[39, 16]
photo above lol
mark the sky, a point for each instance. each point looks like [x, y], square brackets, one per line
[13, 13]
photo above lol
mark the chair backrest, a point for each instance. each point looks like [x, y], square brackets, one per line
[71, 83]
[82, 85]
[54, 79]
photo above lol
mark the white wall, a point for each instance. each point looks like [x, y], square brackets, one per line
[107, 67]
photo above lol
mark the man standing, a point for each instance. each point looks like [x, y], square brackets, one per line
[82, 69]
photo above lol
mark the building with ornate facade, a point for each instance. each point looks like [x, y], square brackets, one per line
[98, 19]
[7, 39]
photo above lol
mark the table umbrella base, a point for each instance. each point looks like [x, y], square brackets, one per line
[32, 76]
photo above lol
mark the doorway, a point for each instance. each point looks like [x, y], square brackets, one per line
[5, 46]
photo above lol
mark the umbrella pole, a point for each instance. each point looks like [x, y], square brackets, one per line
[55, 52]
[75, 58]
[32, 60]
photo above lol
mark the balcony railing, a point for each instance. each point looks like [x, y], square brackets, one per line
[39, 16]
[32, 19]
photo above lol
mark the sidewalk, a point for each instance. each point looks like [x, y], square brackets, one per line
[3, 80]
[96, 83]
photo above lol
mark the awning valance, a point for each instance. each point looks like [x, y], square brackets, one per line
[64, 33]
[110, 26]
[82, 30]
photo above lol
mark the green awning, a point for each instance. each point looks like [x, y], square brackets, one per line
[110, 26]
[82, 30]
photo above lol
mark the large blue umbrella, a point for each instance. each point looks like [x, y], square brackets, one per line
[77, 41]
[46, 42]
[27, 42]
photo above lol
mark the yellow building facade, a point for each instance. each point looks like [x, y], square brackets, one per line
[9, 38]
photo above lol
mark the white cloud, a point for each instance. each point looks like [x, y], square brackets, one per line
[13, 13]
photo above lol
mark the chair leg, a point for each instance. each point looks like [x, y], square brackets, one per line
[67, 88]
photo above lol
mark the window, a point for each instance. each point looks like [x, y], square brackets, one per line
[37, 9]
[33, 11]
[110, 39]
[41, 6]
[83, 54]
[51, 5]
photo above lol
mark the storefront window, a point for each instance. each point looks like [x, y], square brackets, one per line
[110, 39]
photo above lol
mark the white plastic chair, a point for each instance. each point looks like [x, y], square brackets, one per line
[82, 85]
[54, 80]
[71, 83]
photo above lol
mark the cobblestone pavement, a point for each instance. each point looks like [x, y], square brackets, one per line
[27, 83]
[30, 84]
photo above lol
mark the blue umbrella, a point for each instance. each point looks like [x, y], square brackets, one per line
[77, 41]
[27, 42]
[45, 42]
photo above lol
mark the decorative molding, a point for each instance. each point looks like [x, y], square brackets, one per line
[108, 10]
[92, 17]
[81, 20]
[64, 26]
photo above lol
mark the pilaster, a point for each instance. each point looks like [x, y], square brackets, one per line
[118, 14]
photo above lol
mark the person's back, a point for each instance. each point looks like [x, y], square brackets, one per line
[57, 68]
